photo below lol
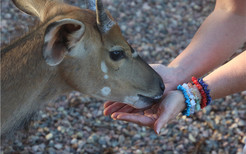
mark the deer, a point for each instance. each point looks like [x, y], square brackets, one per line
[71, 49]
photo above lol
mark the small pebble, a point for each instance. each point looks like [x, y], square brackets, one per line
[49, 136]
[58, 146]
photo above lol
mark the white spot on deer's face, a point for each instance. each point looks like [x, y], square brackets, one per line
[106, 76]
[104, 67]
[105, 91]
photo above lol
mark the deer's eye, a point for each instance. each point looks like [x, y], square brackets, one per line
[117, 55]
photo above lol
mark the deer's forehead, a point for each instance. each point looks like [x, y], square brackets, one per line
[114, 34]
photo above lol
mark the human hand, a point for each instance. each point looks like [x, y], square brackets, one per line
[170, 78]
[156, 116]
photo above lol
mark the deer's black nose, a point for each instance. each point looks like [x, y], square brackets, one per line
[162, 86]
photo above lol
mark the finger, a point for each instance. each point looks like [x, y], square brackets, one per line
[126, 108]
[138, 111]
[171, 106]
[160, 122]
[163, 118]
[135, 118]
[115, 114]
[112, 108]
[108, 103]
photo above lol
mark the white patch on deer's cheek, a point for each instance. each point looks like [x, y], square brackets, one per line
[104, 67]
[104, 70]
[105, 91]
[106, 76]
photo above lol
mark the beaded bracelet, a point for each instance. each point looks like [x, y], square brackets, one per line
[203, 94]
[187, 100]
[206, 90]
[191, 96]
[196, 94]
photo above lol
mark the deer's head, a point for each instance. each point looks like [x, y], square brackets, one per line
[92, 56]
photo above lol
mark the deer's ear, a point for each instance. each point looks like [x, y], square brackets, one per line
[60, 36]
[32, 7]
[35, 7]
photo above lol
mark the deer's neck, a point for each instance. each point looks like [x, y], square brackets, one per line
[27, 81]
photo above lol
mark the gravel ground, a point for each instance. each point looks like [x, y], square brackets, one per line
[74, 123]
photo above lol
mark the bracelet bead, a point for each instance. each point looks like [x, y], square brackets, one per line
[203, 94]
[197, 96]
[191, 96]
[206, 90]
[187, 100]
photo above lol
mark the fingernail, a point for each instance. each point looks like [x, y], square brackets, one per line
[157, 131]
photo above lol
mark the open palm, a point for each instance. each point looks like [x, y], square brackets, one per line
[154, 117]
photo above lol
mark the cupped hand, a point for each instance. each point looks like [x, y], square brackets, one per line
[156, 116]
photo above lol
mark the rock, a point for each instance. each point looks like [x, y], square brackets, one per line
[8, 16]
[233, 126]
[51, 143]
[121, 139]
[197, 7]
[81, 143]
[146, 6]
[93, 138]
[138, 151]
[191, 138]
[102, 141]
[241, 123]
[136, 137]
[115, 143]
[74, 141]
[217, 119]
[35, 148]
[49, 136]
[51, 150]
[58, 146]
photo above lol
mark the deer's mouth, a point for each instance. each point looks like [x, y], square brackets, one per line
[145, 101]
[150, 100]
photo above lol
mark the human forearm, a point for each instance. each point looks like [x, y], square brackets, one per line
[221, 34]
[229, 78]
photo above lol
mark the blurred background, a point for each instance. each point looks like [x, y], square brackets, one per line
[159, 30]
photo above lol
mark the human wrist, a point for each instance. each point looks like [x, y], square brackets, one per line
[196, 94]
[181, 74]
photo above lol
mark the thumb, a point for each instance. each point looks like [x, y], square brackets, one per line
[169, 108]
[163, 118]
[161, 122]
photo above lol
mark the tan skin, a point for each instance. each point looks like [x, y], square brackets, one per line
[220, 35]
